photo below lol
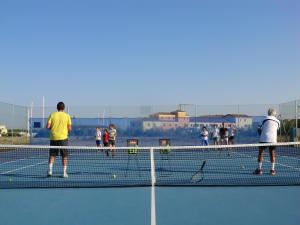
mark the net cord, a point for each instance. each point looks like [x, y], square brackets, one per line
[38, 147]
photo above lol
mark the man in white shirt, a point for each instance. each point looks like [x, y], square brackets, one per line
[268, 134]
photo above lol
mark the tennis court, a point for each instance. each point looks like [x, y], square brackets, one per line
[184, 192]
[131, 206]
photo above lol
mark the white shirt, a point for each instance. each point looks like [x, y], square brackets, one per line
[231, 132]
[204, 135]
[270, 126]
[98, 135]
[112, 134]
[215, 132]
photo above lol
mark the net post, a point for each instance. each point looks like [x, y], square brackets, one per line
[153, 182]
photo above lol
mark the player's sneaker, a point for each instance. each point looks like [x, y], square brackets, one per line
[257, 172]
[49, 174]
[65, 175]
[272, 172]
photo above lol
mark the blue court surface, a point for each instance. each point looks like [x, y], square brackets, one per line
[27, 168]
[131, 206]
[227, 193]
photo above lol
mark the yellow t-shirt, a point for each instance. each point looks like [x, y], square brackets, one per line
[59, 122]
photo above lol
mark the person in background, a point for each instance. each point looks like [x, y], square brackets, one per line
[106, 140]
[98, 137]
[216, 135]
[224, 135]
[268, 134]
[232, 131]
[112, 133]
[60, 125]
[204, 136]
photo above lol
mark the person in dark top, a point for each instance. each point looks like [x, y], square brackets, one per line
[106, 140]
[224, 135]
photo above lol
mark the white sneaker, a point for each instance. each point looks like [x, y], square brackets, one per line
[65, 175]
[49, 173]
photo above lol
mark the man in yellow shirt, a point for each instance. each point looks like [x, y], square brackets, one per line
[60, 125]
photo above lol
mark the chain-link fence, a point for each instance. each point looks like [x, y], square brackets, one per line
[14, 124]
[182, 123]
[290, 117]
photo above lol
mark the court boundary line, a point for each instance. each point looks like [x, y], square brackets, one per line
[276, 163]
[24, 167]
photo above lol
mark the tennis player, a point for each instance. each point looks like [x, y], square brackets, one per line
[216, 135]
[269, 127]
[204, 135]
[98, 137]
[60, 125]
[106, 140]
[224, 134]
[112, 133]
[232, 131]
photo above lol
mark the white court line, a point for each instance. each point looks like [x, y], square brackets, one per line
[21, 168]
[283, 165]
[12, 161]
[289, 157]
[30, 158]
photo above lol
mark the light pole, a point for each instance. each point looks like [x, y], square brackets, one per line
[296, 112]
[43, 112]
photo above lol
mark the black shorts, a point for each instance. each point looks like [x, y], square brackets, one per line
[262, 148]
[98, 142]
[112, 142]
[106, 144]
[63, 152]
[231, 138]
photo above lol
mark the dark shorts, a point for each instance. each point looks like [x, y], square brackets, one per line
[262, 148]
[231, 138]
[63, 152]
[112, 142]
[106, 144]
[97, 142]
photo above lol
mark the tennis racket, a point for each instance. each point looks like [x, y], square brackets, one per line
[199, 175]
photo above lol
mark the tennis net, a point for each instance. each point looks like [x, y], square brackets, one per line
[27, 166]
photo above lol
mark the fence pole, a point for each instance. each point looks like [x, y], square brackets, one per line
[296, 117]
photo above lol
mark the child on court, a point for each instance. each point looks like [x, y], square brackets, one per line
[216, 135]
[106, 140]
[98, 137]
[204, 135]
[112, 133]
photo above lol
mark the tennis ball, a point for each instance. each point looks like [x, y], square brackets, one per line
[114, 176]
[242, 166]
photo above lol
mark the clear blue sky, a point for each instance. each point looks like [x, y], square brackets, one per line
[149, 52]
